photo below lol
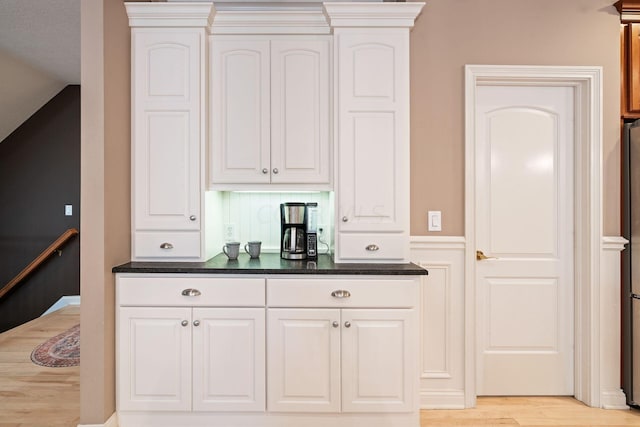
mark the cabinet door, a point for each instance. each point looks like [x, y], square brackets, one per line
[154, 359]
[240, 120]
[300, 110]
[229, 359]
[378, 360]
[167, 134]
[303, 360]
[373, 174]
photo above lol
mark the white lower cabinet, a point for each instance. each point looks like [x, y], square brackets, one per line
[273, 351]
[332, 360]
[183, 359]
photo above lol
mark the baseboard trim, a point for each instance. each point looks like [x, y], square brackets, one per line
[613, 400]
[442, 399]
[111, 422]
[63, 302]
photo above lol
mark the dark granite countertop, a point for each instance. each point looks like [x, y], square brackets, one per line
[270, 263]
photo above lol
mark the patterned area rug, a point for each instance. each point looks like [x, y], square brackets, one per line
[60, 351]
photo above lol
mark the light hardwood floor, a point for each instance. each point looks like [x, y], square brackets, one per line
[32, 395]
[35, 396]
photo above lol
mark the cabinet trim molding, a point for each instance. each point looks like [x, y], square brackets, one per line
[270, 22]
[170, 14]
[399, 15]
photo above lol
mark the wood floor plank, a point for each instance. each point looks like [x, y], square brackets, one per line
[33, 395]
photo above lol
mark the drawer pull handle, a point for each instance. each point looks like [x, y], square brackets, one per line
[166, 246]
[372, 248]
[192, 218]
[345, 219]
[191, 292]
[341, 293]
[184, 323]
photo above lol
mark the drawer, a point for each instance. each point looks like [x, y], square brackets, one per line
[166, 244]
[213, 292]
[392, 247]
[366, 293]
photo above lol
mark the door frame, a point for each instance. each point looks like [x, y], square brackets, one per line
[587, 83]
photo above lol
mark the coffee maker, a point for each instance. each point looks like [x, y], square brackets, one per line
[293, 234]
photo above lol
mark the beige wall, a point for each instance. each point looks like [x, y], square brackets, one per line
[452, 33]
[24, 90]
[105, 196]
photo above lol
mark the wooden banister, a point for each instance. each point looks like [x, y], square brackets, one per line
[55, 246]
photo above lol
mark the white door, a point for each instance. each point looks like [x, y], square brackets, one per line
[377, 360]
[166, 129]
[154, 359]
[303, 360]
[240, 119]
[300, 110]
[524, 222]
[228, 359]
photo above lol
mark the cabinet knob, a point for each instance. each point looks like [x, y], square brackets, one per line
[335, 324]
[192, 217]
[166, 245]
[347, 324]
[190, 292]
[196, 323]
[345, 219]
[372, 248]
[265, 171]
[275, 171]
[341, 293]
[184, 323]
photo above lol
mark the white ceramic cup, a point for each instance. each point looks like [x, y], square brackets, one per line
[231, 250]
[253, 249]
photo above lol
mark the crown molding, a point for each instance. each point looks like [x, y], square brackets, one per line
[396, 15]
[629, 10]
[163, 14]
[270, 22]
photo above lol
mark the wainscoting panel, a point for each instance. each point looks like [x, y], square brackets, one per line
[442, 320]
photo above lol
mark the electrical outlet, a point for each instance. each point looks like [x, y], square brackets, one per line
[322, 231]
[229, 232]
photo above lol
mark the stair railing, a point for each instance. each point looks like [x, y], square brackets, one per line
[33, 265]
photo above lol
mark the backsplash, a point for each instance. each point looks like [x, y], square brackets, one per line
[256, 215]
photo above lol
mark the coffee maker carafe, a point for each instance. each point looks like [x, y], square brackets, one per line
[293, 236]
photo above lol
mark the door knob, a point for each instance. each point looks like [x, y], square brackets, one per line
[480, 256]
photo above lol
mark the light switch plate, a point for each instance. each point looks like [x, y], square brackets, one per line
[68, 210]
[435, 221]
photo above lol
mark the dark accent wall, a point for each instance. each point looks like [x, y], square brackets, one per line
[39, 175]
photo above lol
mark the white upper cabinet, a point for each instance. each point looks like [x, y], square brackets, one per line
[372, 129]
[168, 129]
[270, 111]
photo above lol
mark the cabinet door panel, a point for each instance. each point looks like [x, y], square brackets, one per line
[378, 361]
[240, 128]
[228, 359]
[166, 130]
[303, 357]
[300, 111]
[154, 358]
[373, 132]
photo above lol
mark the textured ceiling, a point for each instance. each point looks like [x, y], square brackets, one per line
[45, 34]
